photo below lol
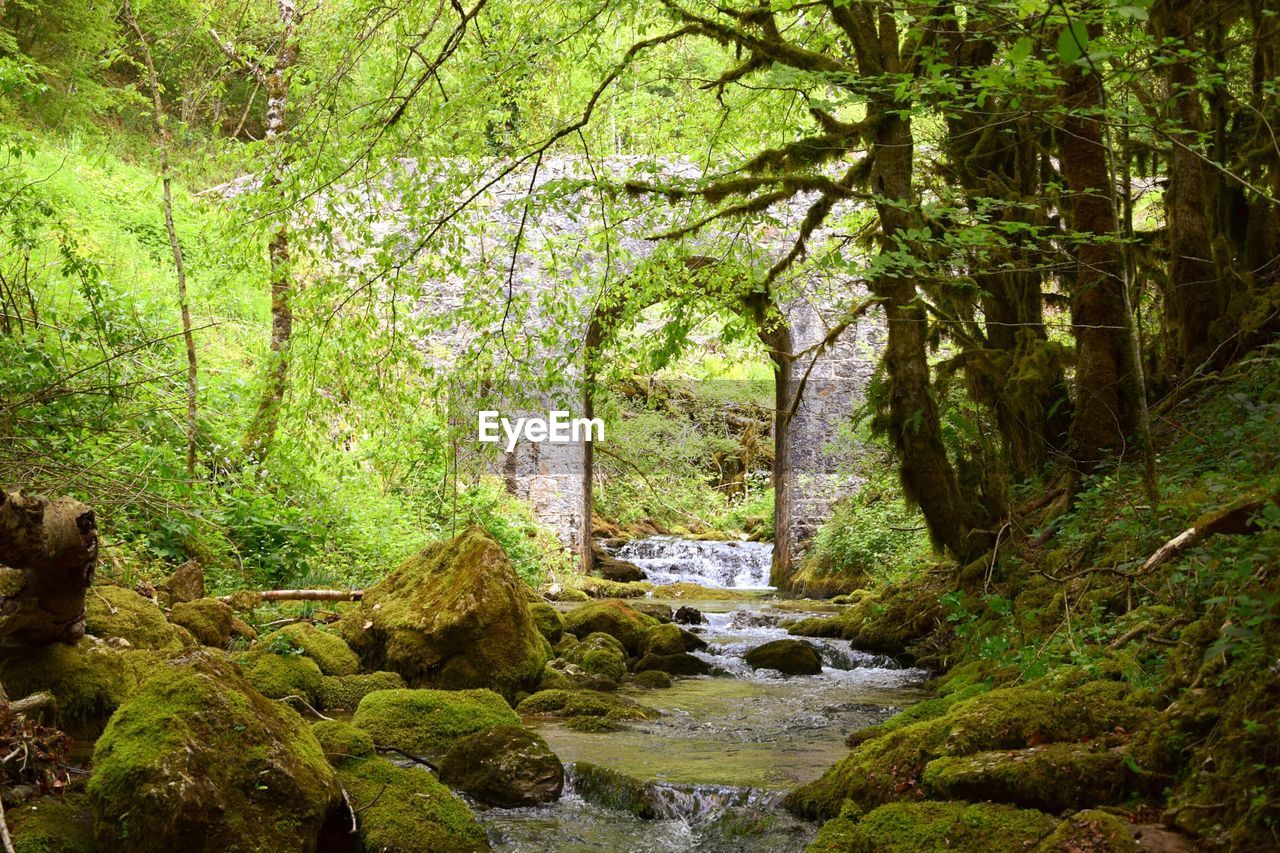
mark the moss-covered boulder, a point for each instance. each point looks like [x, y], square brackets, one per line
[886, 624]
[599, 654]
[651, 678]
[789, 657]
[682, 663]
[428, 722]
[603, 786]
[113, 612]
[584, 703]
[277, 676]
[888, 767]
[197, 759]
[454, 616]
[506, 766]
[344, 692]
[626, 624]
[208, 619]
[659, 610]
[670, 639]
[329, 651]
[1051, 778]
[342, 742]
[405, 810]
[89, 680]
[1093, 831]
[927, 826]
[53, 825]
[547, 618]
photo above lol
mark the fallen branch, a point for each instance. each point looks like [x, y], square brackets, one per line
[414, 758]
[307, 705]
[302, 595]
[34, 702]
[1237, 521]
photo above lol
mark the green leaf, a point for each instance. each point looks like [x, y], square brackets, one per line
[1021, 50]
[1073, 42]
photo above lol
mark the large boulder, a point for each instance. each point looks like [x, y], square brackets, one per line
[570, 704]
[345, 691]
[671, 640]
[612, 569]
[278, 676]
[628, 625]
[506, 766]
[88, 680]
[912, 827]
[599, 654]
[329, 651]
[547, 618]
[454, 617]
[197, 760]
[681, 663]
[405, 810]
[789, 657]
[208, 619]
[428, 722]
[116, 613]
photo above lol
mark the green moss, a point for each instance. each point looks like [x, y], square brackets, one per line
[53, 825]
[887, 623]
[627, 625]
[405, 810]
[341, 741]
[331, 654]
[279, 675]
[927, 710]
[1090, 830]
[345, 691]
[596, 725]
[554, 679]
[113, 611]
[88, 680]
[208, 620]
[697, 592]
[12, 581]
[599, 654]
[428, 722]
[790, 657]
[930, 826]
[888, 767]
[603, 588]
[568, 593]
[454, 616]
[606, 787]
[585, 703]
[653, 678]
[505, 766]
[670, 640]
[547, 618]
[198, 759]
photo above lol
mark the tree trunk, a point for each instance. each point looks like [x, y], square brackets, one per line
[48, 554]
[779, 344]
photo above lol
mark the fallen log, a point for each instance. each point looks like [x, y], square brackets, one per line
[48, 554]
[298, 595]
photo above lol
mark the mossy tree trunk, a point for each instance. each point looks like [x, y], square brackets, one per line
[48, 554]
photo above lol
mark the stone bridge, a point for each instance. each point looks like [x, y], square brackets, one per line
[544, 250]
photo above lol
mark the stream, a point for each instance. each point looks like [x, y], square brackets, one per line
[728, 746]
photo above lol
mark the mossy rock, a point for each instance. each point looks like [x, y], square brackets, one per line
[612, 569]
[566, 642]
[454, 617]
[1051, 778]
[1091, 831]
[670, 639]
[208, 620]
[53, 825]
[566, 593]
[884, 624]
[592, 725]
[625, 624]
[677, 664]
[344, 692]
[789, 657]
[933, 826]
[405, 810]
[652, 678]
[197, 759]
[697, 592]
[342, 742]
[602, 588]
[88, 681]
[599, 654]
[547, 618]
[428, 722]
[329, 651]
[279, 675]
[585, 703]
[603, 786]
[506, 766]
[888, 767]
[657, 609]
[115, 612]
[929, 709]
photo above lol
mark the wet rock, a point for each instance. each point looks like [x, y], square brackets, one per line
[405, 810]
[626, 624]
[453, 617]
[342, 741]
[198, 760]
[651, 678]
[506, 766]
[612, 569]
[53, 825]
[686, 615]
[549, 622]
[913, 827]
[113, 612]
[428, 722]
[186, 583]
[208, 620]
[671, 640]
[277, 676]
[585, 703]
[790, 657]
[657, 609]
[1092, 831]
[88, 680]
[677, 664]
[1051, 778]
[345, 691]
[601, 655]
[613, 790]
[329, 651]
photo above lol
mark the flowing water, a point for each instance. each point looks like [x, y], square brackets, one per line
[729, 745]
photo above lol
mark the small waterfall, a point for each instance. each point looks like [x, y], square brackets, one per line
[654, 800]
[730, 565]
